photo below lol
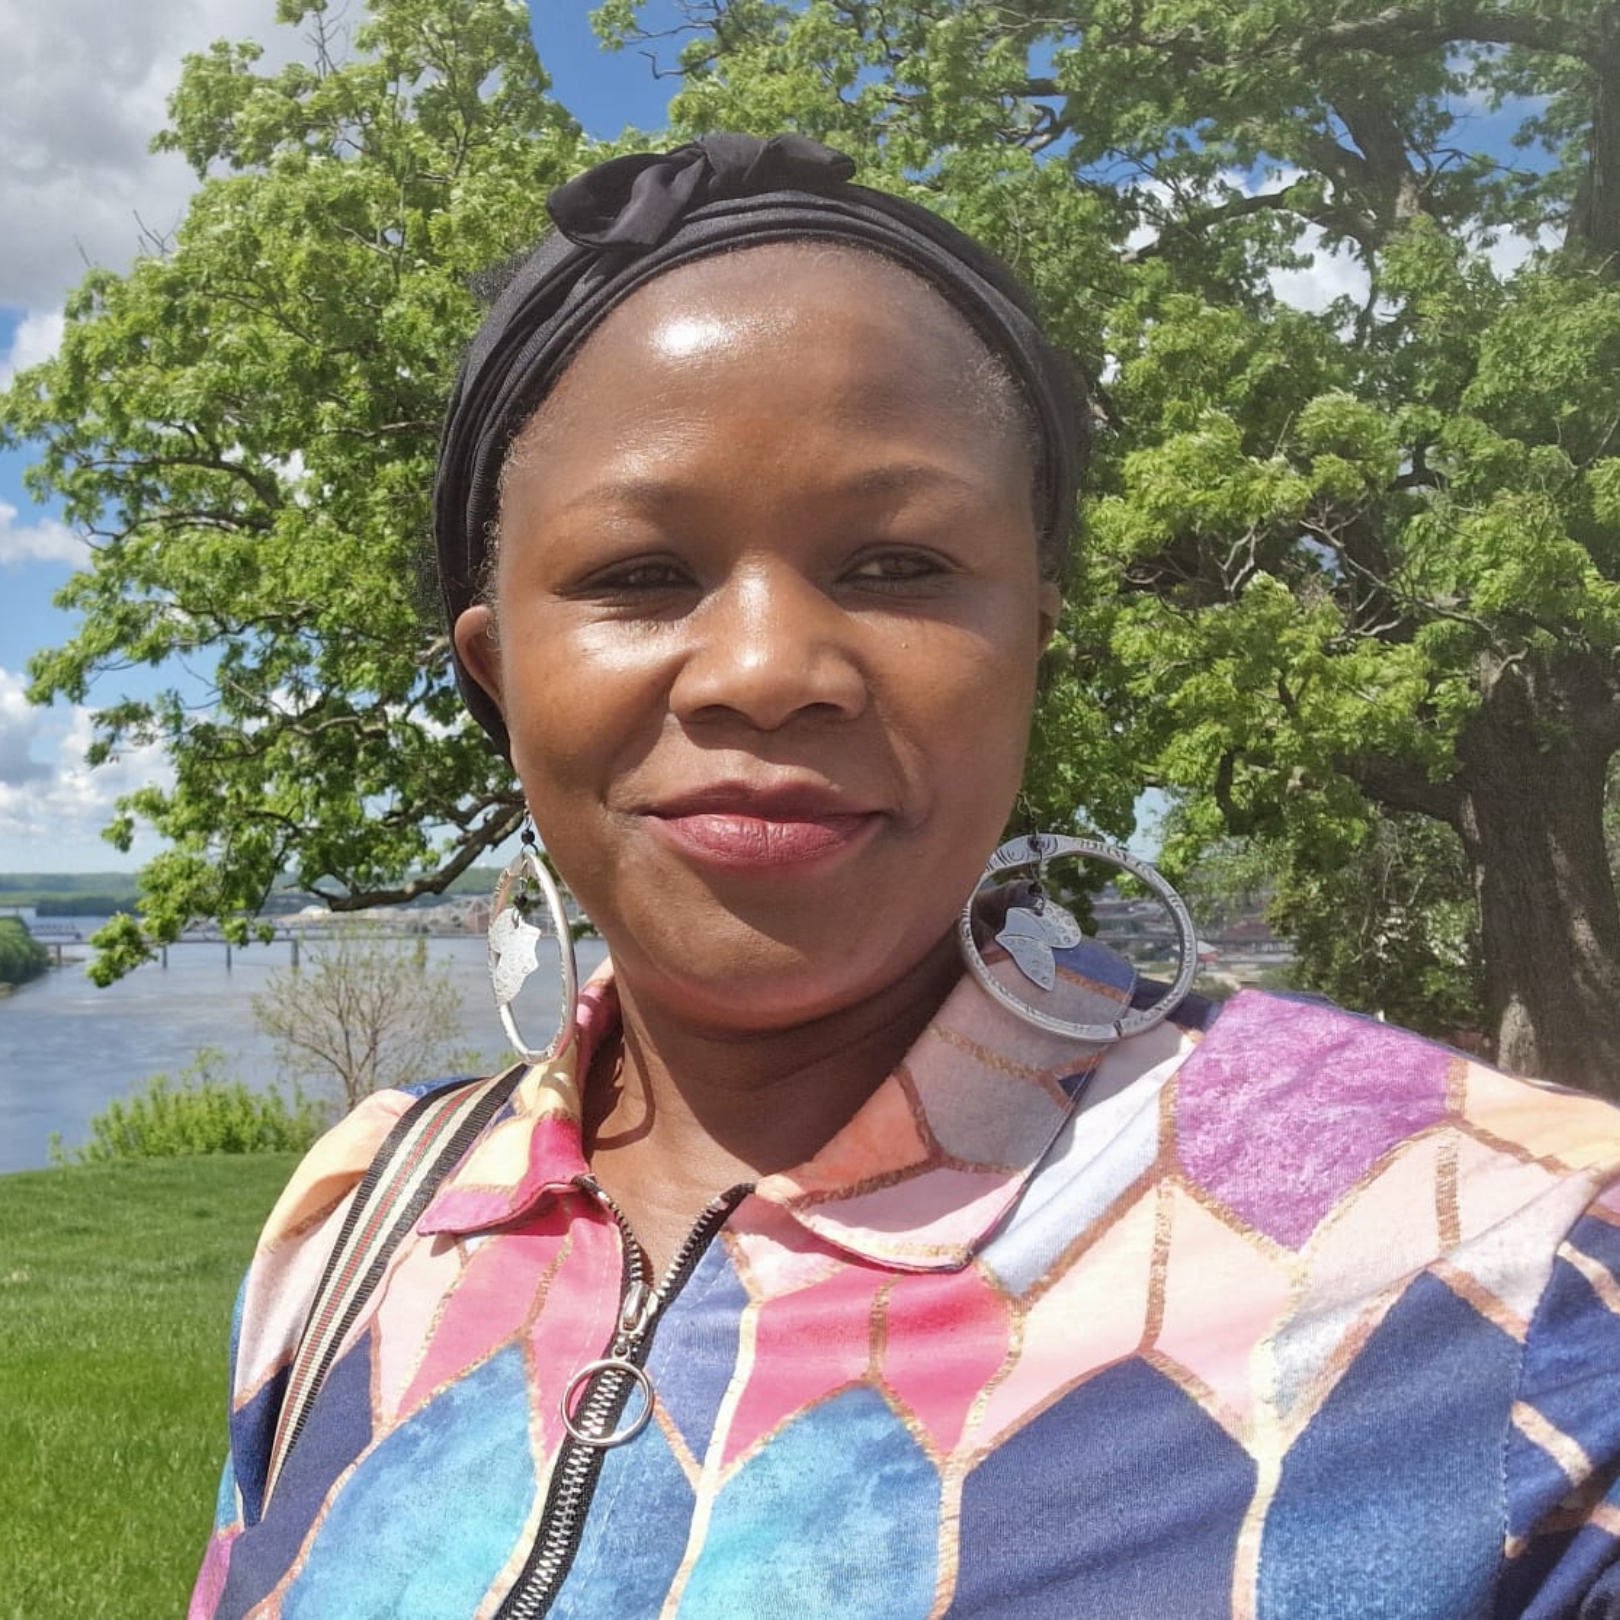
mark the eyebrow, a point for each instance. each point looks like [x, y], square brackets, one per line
[636, 493]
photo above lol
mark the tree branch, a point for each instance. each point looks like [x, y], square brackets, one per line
[1406, 31]
[496, 829]
[1356, 226]
[1402, 784]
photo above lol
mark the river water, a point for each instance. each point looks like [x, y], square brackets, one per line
[67, 1049]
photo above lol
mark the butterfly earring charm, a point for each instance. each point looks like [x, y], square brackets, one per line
[513, 952]
[1031, 933]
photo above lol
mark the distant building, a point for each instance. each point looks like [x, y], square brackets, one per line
[1142, 931]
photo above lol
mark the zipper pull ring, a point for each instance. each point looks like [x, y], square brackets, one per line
[580, 1413]
[616, 1364]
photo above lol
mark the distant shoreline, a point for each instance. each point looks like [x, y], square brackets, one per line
[118, 891]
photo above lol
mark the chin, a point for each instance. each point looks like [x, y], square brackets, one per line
[755, 984]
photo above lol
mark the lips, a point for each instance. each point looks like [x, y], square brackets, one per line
[763, 828]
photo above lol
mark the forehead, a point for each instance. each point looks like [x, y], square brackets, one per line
[806, 275]
[788, 307]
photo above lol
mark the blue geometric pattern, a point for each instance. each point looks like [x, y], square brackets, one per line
[1400, 1471]
[694, 1352]
[1572, 1348]
[838, 1515]
[634, 1536]
[341, 1434]
[451, 1463]
[1071, 1516]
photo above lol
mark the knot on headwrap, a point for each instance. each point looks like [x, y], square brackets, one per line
[633, 203]
[633, 218]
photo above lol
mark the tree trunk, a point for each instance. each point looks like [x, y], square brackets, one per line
[1531, 818]
[1595, 218]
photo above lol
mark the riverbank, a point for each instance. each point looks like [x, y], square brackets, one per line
[67, 1049]
[116, 1284]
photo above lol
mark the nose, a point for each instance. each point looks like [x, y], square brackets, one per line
[770, 646]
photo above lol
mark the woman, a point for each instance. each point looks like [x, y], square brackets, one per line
[809, 1268]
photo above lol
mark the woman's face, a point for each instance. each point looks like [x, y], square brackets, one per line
[767, 617]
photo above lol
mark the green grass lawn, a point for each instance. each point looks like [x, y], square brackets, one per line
[116, 1285]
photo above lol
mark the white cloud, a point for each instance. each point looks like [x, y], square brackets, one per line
[45, 541]
[36, 340]
[1331, 274]
[1335, 273]
[1510, 251]
[83, 88]
[59, 799]
[1338, 274]
[20, 724]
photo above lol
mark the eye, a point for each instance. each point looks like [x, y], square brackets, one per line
[637, 577]
[897, 566]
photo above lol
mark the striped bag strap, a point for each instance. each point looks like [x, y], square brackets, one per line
[430, 1139]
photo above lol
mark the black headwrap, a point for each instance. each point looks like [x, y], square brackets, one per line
[631, 219]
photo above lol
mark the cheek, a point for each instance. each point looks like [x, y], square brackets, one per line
[971, 708]
[563, 711]
[990, 669]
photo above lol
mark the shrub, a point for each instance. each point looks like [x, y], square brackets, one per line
[202, 1113]
[22, 957]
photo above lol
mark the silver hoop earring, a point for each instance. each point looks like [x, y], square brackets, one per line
[512, 947]
[1032, 932]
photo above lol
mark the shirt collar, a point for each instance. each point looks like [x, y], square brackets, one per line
[919, 1178]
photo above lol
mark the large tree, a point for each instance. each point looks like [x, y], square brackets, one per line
[1345, 562]
[244, 425]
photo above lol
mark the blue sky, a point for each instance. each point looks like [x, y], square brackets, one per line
[78, 180]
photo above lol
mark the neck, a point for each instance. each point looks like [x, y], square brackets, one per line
[676, 1113]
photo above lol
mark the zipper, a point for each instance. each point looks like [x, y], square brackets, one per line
[603, 1388]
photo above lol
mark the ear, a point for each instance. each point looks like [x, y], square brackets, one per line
[1049, 606]
[478, 649]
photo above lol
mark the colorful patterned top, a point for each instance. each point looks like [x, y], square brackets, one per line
[1290, 1315]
